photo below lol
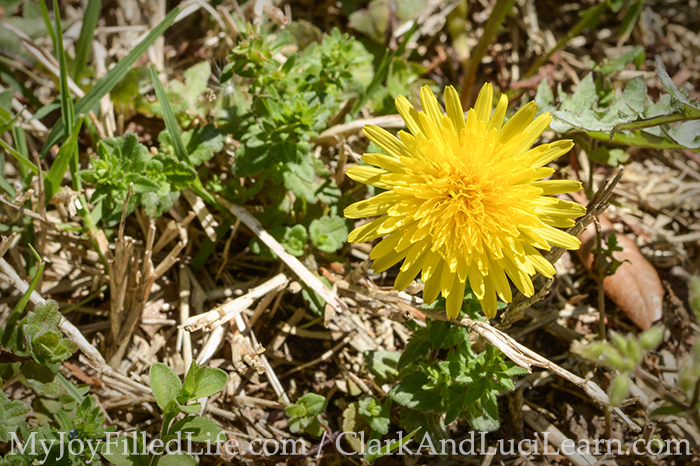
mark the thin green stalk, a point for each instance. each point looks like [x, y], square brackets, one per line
[493, 25]
[87, 32]
[167, 419]
[47, 20]
[68, 116]
[588, 19]
[79, 304]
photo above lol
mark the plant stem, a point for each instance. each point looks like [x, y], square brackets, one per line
[493, 25]
[167, 419]
[588, 18]
[599, 277]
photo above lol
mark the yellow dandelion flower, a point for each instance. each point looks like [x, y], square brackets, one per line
[464, 199]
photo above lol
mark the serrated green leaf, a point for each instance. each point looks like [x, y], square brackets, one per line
[41, 379]
[409, 392]
[11, 415]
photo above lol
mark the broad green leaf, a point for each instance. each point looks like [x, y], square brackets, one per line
[201, 143]
[197, 429]
[411, 420]
[41, 379]
[409, 392]
[612, 157]
[177, 459]
[165, 385]
[208, 380]
[667, 410]
[328, 233]
[383, 365]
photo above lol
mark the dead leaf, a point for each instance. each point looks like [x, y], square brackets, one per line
[635, 286]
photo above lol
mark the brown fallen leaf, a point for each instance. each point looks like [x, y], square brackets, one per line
[79, 374]
[635, 286]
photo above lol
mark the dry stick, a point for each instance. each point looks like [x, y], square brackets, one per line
[311, 280]
[541, 425]
[224, 313]
[145, 282]
[595, 208]
[119, 273]
[526, 358]
[17, 106]
[227, 248]
[95, 358]
[246, 329]
[184, 339]
[216, 337]
[172, 231]
[205, 217]
[8, 242]
[335, 134]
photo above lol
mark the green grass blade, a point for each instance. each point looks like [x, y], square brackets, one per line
[4, 185]
[19, 307]
[87, 32]
[169, 118]
[66, 100]
[391, 447]
[47, 21]
[107, 83]
[52, 181]
[20, 158]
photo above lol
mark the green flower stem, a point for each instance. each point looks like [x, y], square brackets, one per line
[493, 25]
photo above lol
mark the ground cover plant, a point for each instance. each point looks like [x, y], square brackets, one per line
[356, 232]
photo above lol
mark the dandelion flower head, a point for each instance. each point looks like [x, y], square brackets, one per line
[465, 200]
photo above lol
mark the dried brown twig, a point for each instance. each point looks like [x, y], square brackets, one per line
[311, 280]
[228, 311]
[94, 358]
[131, 285]
[597, 205]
